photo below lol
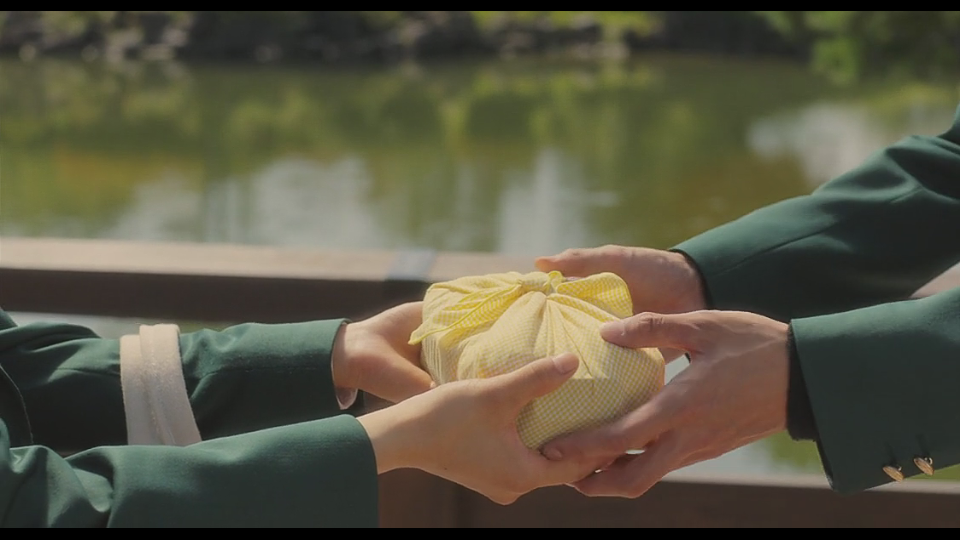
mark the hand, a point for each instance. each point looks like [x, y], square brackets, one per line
[733, 393]
[659, 281]
[374, 355]
[466, 432]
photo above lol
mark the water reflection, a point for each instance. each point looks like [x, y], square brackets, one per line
[302, 202]
[829, 139]
[506, 157]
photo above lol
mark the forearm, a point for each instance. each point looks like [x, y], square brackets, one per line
[874, 235]
[315, 474]
[882, 383]
[242, 379]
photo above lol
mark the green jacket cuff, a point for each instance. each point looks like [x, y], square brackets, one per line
[256, 376]
[882, 386]
[800, 423]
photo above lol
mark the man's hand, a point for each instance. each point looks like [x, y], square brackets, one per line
[374, 355]
[466, 432]
[659, 281]
[733, 393]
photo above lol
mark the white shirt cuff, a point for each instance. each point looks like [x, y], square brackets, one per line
[346, 397]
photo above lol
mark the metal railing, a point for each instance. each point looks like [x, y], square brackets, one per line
[227, 283]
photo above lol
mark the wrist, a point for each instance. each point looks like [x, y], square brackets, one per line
[783, 370]
[389, 430]
[693, 296]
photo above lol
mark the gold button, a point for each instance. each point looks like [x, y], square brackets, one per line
[894, 472]
[925, 464]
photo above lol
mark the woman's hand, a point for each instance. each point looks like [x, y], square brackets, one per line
[466, 432]
[374, 355]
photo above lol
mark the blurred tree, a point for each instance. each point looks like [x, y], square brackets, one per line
[847, 45]
[851, 45]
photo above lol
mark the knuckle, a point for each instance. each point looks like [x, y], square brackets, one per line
[574, 452]
[636, 488]
[618, 441]
[674, 444]
[571, 253]
[612, 253]
[645, 323]
[616, 256]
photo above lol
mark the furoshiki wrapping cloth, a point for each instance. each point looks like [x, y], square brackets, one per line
[482, 326]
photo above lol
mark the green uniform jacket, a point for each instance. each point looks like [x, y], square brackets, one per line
[259, 393]
[882, 372]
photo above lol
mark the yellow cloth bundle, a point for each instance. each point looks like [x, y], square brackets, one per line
[482, 326]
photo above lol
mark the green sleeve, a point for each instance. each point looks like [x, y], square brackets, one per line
[883, 384]
[880, 371]
[315, 474]
[873, 235]
[244, 378]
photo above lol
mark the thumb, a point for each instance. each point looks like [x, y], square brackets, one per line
[536, 379]
[652, 330]
[578, 262]
[634, 431]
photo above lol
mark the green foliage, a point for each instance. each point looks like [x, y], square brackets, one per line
[850, 45]
[612, 22]
[846, 45]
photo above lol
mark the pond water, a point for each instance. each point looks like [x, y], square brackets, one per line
[516, 157]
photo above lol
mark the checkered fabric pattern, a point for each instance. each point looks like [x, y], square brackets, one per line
[482, 326]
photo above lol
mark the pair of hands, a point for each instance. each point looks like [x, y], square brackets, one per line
[464, 431]
[733, 392]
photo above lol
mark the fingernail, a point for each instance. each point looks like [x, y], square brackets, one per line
[613, 329]
[565, 363]
[552, 454]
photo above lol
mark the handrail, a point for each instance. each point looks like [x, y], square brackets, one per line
[232, 282]
[224, 282]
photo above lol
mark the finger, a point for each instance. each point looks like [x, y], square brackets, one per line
[606, 465]
[635, 431]
[536, 379]
[652, 330]
[583, 262]
[400, 380]
[632, 478]
[558, 473]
